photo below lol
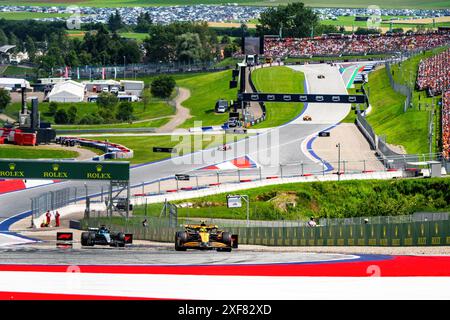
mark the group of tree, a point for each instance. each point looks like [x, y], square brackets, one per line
[162, 86]
[100, 47]
[187, 42]
[109, 110]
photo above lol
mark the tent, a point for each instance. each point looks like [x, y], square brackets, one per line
[68, 91]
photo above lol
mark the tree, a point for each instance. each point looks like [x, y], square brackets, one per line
[225, 40]
[61, 117]
[107, 101]
[3, 38]
[230, 49]
[144, 22]
[5, 98]
[72, 114]
[189, 47]
[125, 111]
[294, 20]
[115, 21]
[146, 98]
[30, 47]
[52, 107]
[163, 86]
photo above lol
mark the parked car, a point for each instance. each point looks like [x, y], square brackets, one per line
[221, 106]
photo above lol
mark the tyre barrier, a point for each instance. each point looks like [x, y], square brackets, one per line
[113, 150]
[245, 180]
[273, 177]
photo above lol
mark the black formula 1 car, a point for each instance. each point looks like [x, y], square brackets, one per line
[204, 237]
[102, 236]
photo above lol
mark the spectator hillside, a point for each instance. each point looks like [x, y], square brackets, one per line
[446, 124]
[353, 44]
[434, 73]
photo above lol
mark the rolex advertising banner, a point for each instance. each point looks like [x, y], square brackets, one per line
[64, 170]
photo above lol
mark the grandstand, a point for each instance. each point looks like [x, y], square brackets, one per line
[434, 73]
[353, 44]
[446, 124]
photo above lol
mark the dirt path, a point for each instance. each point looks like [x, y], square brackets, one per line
[4, 117]
[83, 154]
[182, 113]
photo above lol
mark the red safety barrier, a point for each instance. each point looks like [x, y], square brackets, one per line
[368, 171]
[186, 188]
[172, 190]
[139, 194]
[274, 177]
[391, 170]
[307, 175]
[412, 169]
[214, 184]
[245, 180]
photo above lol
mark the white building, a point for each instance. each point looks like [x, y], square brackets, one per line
[12, 84]
[69, 91]
[132, 87]
[98, 85]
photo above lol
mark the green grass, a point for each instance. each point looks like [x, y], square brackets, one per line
[26, 152]
[15, 71]
[348, 21]
[206, 89]
[406, 73]
[408, 4]
[330, 199]
[228, 62]
[134, 35]
[30, 15]
[156, 109]
[145, 124]
[143, 145]
[279, 80]
[408, 129]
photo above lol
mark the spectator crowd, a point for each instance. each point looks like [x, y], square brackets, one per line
[434, 73]
[353, 44]
[446, 124]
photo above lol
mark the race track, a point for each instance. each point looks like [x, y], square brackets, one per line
[282, 145]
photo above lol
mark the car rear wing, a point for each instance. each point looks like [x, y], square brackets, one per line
[128, 238]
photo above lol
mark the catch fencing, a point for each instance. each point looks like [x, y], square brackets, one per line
[399, 88]
[134, 70]
[51, 201]
[425, 233]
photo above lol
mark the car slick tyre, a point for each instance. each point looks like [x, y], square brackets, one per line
[85, 239]
[179, 236]
[226, 238]
[91, 239]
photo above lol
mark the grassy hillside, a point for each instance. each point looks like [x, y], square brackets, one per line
[408, 129]
[327, 199]
[279, 80]
[206, 89]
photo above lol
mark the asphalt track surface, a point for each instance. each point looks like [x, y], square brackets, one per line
[154, 255]
[281, 145]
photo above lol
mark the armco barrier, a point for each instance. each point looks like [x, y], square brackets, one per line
[427, 233]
